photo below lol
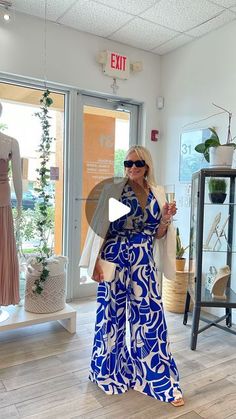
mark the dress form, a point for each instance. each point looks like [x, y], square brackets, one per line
[9, 148]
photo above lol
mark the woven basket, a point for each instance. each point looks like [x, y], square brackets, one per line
[174, 292]
[53, 296]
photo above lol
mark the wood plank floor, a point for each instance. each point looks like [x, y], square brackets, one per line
[44, 369]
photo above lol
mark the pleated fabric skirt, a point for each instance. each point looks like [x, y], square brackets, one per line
[9, 268]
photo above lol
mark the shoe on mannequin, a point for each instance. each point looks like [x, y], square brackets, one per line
[220, 283]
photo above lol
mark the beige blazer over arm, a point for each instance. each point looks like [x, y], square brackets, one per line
[165, 248]
[94, 240]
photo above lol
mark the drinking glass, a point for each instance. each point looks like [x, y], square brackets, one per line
[170, 193]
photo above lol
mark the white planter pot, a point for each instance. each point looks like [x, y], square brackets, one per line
[53, 296]
[221, 156]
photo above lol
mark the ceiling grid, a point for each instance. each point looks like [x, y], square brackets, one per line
[157, 26]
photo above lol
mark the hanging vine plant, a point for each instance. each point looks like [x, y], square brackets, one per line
[42, 188]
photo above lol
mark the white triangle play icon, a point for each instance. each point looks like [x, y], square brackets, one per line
[117, 209]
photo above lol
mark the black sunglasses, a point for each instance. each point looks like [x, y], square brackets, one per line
[137, 163]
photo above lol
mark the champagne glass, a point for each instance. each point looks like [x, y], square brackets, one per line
[170, 193]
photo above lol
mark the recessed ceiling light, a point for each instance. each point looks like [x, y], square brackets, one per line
[5, 4]
[6, 16]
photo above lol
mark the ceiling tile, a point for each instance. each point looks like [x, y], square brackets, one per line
[132, 6]
[142, 34]
[212, 24]
[94, 18]
[224, 3]
[55, 8]
[181, 15]
[158, 29]
[174, 43]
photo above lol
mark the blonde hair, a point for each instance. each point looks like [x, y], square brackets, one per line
[144, 154]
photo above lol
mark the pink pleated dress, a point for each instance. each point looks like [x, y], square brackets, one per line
[9, 268]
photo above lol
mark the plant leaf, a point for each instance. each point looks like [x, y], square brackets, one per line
[207, 155]
[212, 142]
[214, 133]
[200, 148]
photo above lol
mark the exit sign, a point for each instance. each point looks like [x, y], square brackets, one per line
[116, 65]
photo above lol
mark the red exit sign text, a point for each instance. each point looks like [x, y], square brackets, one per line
[118, 61]
[117, 65]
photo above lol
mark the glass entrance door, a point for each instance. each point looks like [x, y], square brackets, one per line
[108, 129]
[20, 103]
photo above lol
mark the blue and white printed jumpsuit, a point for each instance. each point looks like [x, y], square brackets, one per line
[148, 366]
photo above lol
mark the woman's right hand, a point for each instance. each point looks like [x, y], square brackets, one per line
[98, 272]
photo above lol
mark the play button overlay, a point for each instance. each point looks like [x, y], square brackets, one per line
[102, 205]
[116, 209]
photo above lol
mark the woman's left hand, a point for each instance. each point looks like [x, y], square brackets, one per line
[168, 211]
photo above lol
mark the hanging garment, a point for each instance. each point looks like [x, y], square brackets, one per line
[148, 365]
[9, 269]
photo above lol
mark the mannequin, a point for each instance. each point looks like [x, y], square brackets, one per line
[9, 269]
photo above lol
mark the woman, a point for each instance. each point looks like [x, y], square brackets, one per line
[130, 242]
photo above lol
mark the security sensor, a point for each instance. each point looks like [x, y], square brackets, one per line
[160, 102]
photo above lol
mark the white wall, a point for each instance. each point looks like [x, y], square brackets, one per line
[71, 60]
[193, 77]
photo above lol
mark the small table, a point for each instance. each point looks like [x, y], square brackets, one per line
[18, 317]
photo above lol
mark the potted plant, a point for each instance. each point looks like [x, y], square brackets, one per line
[45, 276]
[217, 190]
[219, 155]
[180, 250]
[174, 290]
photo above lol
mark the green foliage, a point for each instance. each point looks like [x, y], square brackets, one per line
[179, 248]
[26, 229]
[41, 189]
[3, 127]
[118, 163]
[217, 185]
[213, 141]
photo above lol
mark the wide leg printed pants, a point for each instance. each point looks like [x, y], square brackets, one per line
[148, 366]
